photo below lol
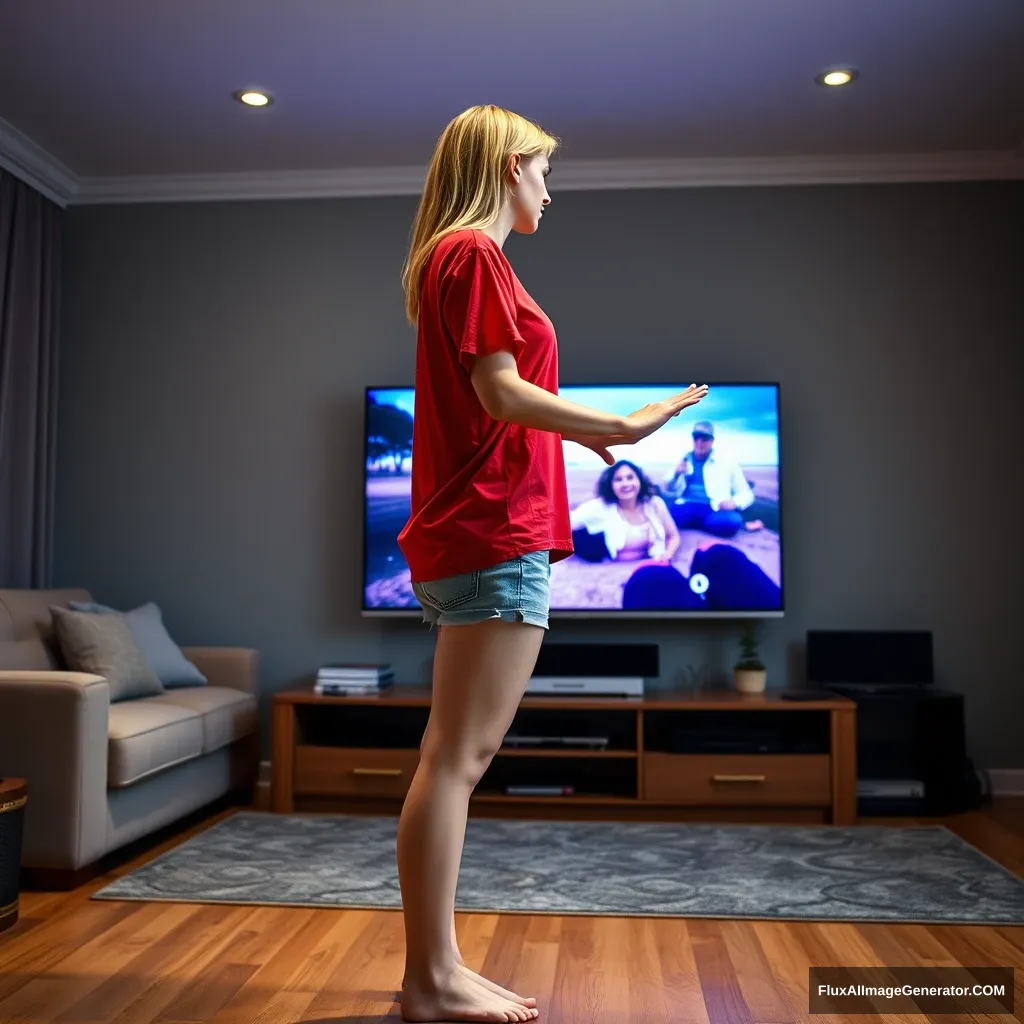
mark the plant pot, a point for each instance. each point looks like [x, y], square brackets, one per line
[750, 680]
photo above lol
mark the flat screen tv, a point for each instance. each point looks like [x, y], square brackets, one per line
[705, 492]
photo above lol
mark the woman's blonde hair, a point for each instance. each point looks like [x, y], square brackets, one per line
[465, 184]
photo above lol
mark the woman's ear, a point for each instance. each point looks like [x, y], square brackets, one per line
[514, 170]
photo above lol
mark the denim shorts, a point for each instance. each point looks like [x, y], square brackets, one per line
[514, 591]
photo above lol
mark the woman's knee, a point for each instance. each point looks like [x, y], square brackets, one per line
[466, 760]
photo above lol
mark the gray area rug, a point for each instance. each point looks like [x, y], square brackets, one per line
[819, 873]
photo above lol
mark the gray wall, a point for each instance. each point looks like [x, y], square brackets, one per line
[214, 358]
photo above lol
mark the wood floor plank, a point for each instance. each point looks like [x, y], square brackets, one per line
[73, 960]
[48, 995]
[538, 962]
[576, 998]
[23, 959]
[167, 954]
[787, 968]
[502, 962]
[679, 971]
[182, 972]
[718, 981]
[984, 947]
[764, 1002]
[368, 974]
[611, 938]
[648, 999]
[323, 962]
[850, 948]
[474, 933]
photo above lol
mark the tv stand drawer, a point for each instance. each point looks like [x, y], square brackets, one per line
[350, 771]
[738, 780]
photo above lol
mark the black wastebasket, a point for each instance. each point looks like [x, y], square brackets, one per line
[13, 796]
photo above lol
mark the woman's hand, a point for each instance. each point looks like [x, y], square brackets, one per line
[600, 445]
[655, 415]
[641, 423]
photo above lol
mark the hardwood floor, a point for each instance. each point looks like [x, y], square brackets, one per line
[70, 960]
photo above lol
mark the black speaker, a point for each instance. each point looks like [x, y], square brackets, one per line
[870, 658]
[916, 735]
[612, 660]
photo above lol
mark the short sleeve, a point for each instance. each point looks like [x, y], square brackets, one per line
[479, 306]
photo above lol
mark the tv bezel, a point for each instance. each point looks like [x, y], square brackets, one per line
[594, 613]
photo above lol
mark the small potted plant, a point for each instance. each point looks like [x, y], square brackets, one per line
[749, 673]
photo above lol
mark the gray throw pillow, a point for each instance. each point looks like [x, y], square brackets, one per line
[162, 654]
[104, 646]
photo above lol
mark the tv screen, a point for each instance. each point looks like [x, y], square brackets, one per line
[688, 522]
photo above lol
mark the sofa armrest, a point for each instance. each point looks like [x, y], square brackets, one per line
[237, 667]
[53, 734]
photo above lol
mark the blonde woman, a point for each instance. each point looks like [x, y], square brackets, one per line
[489, 513]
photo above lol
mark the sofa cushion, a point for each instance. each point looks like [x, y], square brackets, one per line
[26, 627]
[227, 714]
[103, 645]
[146, 736]
[162, 654]
[30, 656]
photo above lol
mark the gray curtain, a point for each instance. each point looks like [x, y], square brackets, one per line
[30, 226]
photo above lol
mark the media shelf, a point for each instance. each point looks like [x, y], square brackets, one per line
[716, 755]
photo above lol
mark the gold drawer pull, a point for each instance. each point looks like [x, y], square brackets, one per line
[376, 771]
[738, 778]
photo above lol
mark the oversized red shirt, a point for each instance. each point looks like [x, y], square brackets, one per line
[483, 491]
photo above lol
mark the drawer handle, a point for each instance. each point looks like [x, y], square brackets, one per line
[376, 771]
[738, 778]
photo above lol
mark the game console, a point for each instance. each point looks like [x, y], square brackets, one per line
[590, 686]
[594, 670]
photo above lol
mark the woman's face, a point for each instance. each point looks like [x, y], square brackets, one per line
[529, 193]
[625, 484]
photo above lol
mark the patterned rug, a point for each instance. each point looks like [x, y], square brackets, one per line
[821, 873]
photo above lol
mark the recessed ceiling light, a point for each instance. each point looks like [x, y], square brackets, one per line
[253, 98]
[836, 76]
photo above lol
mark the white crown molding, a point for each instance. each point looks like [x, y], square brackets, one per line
[32, 164]
[328, 184]
[22, 157]
[570, 176]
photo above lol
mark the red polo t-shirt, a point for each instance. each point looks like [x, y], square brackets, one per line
[483, 491]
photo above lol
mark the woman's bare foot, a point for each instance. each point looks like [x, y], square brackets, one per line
[491, 986]
[459, 998]
[528, 1001]
[754, 525]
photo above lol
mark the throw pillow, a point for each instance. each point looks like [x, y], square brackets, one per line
[104, 645]
[162, 654]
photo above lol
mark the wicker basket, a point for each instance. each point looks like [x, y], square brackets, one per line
[12, 815]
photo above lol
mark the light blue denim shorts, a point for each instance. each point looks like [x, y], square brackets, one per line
[514, 591]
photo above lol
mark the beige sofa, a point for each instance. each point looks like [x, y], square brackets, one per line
[101, 775]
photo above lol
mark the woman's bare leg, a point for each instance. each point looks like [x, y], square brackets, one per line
[480, 674]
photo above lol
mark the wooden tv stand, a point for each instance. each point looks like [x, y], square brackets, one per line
[665, 756]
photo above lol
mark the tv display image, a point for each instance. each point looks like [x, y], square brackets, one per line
[688, 522]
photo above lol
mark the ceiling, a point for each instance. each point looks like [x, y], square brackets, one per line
[122, 99]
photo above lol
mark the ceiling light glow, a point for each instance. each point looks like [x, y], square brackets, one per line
[836, 76]
[252, 98]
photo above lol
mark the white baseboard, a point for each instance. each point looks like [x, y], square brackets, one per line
[1006, 781]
